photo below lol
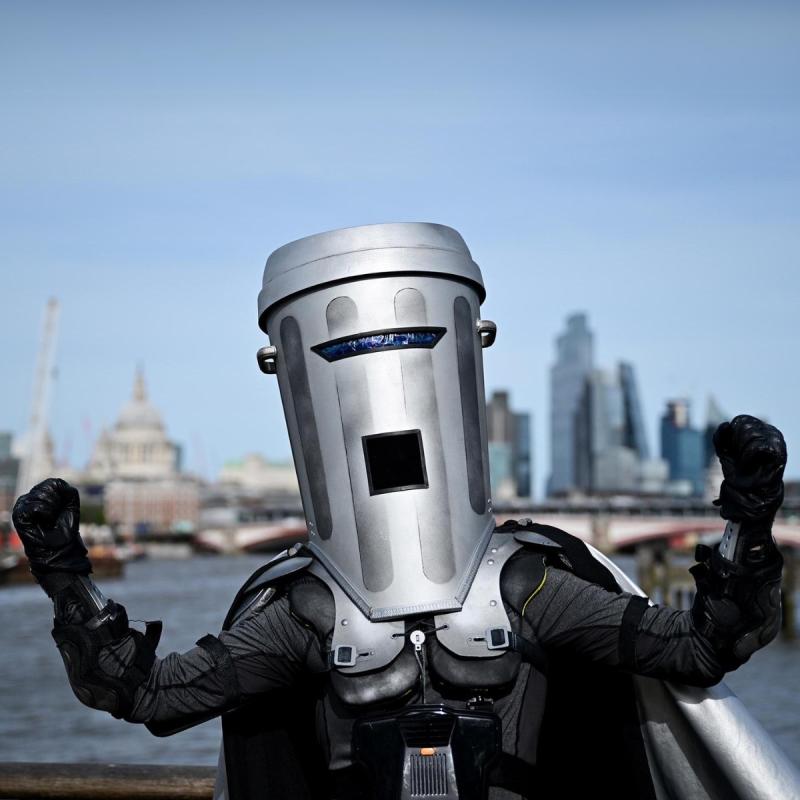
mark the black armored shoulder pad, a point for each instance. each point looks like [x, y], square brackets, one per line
[311, 601]
[257, 587]
[571, 553]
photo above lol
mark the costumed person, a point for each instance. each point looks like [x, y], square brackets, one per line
[412, 648]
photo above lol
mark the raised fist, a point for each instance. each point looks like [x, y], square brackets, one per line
[47, 520]
[753, 457]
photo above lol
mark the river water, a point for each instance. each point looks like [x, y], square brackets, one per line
[41, 720]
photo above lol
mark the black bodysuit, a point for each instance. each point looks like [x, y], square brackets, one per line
[281, 650]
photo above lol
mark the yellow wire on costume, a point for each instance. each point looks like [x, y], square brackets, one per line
[535, 591]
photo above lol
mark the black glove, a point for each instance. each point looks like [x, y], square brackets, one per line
[753, 457]
[47, 520]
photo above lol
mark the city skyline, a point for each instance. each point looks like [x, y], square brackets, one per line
[621, 417]
[636, 162]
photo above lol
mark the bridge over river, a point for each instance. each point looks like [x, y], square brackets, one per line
[621, 524]
[610, 524]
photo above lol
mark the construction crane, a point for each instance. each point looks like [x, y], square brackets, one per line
[34, 454]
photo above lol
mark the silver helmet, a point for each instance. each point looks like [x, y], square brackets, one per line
[376, 340]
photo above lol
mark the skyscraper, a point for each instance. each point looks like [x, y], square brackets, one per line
[509, 448]
[574, 358]
[633, 420]
[682, 447]
[608, 446]
[523, 449]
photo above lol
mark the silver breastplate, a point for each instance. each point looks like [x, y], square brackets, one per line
[477, 631]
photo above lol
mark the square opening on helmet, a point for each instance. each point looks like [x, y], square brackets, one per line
[395, 461]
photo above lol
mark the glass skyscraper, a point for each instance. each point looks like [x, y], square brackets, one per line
[574, 358]
[634, 432]
[683, 448]
[610, 443]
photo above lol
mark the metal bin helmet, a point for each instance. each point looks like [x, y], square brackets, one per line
[376, 340]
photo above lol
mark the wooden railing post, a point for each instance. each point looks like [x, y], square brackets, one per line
[26, 780]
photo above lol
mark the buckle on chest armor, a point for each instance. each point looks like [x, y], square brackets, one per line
[343, 655]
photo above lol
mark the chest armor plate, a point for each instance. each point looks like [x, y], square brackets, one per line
[375, 661]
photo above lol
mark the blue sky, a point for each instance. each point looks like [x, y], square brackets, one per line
[637, 161]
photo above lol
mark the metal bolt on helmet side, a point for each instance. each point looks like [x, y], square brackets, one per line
[487, 331]
[266, 359]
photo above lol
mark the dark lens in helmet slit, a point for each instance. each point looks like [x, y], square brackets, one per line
[395, 461]
[378, 341]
